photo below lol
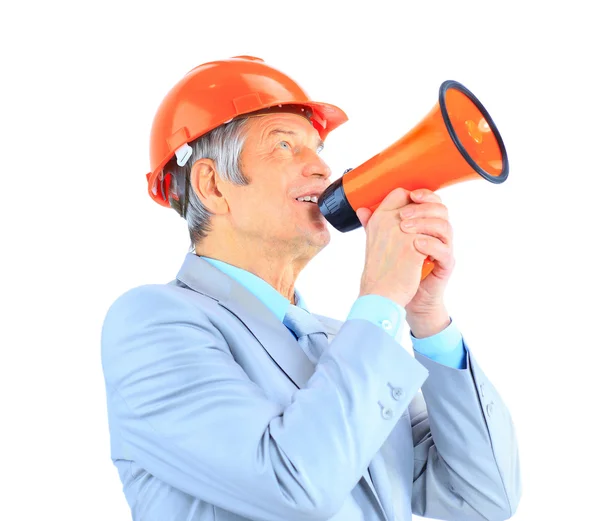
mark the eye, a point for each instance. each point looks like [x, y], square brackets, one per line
[285, 145]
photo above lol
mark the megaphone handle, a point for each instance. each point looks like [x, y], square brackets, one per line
[428, 266]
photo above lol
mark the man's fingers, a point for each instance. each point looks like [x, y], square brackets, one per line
[436, 250]
[364, 215]
[439, 228]
[396, 199]
[425, 195]
[416, 210]
[400, 197]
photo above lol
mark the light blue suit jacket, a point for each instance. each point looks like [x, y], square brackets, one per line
[215, 413]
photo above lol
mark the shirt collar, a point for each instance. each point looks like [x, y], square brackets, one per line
[261, 289]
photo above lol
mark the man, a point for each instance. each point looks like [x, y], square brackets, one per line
[228, 400]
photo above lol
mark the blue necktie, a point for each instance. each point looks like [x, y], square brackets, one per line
[309, 331]
[313, 340]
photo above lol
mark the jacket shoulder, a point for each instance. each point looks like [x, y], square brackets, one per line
[152, 298]
[150, 317]
[144, 307]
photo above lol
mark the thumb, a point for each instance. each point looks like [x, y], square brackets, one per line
[364, 215]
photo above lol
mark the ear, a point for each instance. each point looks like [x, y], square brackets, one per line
[206, 183]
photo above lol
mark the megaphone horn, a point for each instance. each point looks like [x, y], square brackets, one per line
[457, 141]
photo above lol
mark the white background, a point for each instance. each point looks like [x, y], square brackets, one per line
[80, 84]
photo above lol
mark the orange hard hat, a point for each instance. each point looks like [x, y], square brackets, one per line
[214, 93]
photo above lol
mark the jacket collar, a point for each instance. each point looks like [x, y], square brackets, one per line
[202, 277]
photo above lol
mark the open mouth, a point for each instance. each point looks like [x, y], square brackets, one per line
[311, 200]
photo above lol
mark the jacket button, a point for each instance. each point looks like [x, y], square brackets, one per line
[387, 413]
[397, 393]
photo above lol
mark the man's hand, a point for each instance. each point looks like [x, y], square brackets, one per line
[426, 313]
[393, 263]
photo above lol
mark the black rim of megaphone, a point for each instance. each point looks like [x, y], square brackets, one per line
[451, 84]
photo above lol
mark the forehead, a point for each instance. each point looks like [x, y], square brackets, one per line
[261, 127]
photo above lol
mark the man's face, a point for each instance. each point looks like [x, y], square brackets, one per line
[280, 158]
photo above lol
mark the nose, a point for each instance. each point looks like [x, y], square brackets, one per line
[314, 165]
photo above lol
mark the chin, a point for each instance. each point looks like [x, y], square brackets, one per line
[311, 241]
[321, 239]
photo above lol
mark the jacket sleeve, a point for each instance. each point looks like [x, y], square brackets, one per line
[466, 462]
[187, 413]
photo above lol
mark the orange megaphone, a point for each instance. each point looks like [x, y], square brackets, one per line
[457, 141]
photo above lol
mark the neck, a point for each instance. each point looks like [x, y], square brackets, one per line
[272, 264]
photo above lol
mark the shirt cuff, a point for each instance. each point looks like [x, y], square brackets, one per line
[446, 347]
[381, 311]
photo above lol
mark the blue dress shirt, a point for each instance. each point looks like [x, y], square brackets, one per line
[445, 347]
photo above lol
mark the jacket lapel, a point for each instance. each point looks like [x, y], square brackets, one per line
[204, 278]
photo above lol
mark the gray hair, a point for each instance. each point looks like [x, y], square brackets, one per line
[224, 146]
